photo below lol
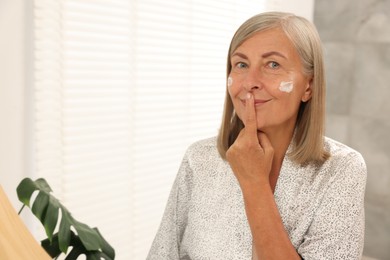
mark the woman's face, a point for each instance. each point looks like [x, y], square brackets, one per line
[268, 66]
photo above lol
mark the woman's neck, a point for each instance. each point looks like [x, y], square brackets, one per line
[280, 141]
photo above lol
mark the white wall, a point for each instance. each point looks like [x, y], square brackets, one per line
[303, 8]
[12, 96]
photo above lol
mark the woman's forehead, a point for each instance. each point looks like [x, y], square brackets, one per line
[266, 43]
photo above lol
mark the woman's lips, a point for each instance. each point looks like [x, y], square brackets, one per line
[261, 101]
[258, 102]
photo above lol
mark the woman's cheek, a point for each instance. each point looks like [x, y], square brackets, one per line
[286, 86]
[232, 86]
[229, 81]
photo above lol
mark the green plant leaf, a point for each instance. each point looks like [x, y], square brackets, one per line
[51, 246]
[51, 216]
[75, 253]
[25, 189]
[46, 208]
[105, 246]
[40, 205]
[43, 185]
[96, 256]
[88, 236]
[64, 231]
[77, 248]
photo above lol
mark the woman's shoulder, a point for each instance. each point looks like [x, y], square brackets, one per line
[337, 148]
[203, 145]
[341, 153]
[206, 142]
[204, 150]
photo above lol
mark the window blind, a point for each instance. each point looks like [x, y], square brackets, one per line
[121, 88]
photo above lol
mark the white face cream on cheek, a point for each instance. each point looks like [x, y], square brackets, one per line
[286, 86]
[229, 82]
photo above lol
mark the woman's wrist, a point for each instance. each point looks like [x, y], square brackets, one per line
[251, 188]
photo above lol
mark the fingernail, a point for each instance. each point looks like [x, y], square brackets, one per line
[248, 95]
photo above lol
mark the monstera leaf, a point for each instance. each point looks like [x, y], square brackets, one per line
[46, 208]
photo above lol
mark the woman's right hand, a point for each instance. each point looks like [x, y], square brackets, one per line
[251, 155]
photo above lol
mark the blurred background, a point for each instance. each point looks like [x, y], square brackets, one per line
[356, 39]
[102, 97]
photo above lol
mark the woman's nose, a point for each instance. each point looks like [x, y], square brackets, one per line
[253, 80]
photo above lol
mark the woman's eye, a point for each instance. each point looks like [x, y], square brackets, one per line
[241, 65]
[273, 65]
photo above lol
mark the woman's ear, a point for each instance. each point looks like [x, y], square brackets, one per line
[308, 91]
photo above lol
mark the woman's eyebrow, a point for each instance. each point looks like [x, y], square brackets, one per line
[273, 53]
[239, 54]
[264, 55]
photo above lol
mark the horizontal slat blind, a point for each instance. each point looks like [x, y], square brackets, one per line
[121, 89]
[85, 110]
[162, 112]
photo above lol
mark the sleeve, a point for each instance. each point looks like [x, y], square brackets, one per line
[166, 244]
[337, 230]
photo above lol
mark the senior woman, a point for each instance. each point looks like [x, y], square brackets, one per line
[270, 186]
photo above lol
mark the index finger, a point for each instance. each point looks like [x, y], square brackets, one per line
[250, 115]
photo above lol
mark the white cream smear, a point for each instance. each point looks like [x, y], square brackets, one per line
[286, 86]
[229, 81]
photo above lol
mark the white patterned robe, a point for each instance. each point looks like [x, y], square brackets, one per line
[321, 206]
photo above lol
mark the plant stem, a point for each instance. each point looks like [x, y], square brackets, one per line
[20, 211]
